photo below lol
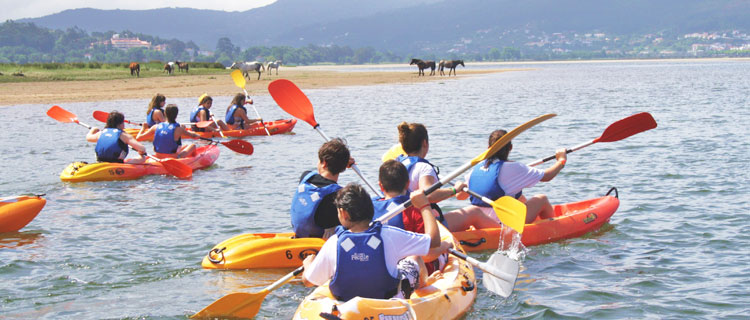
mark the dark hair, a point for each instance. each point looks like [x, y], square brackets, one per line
[171, 112]
[115, 119]
[335, 154]
[501, 154]
[206, 99]
[156, 102]
[393, 176]
[239, 100]
[411, 135]
[354, 199]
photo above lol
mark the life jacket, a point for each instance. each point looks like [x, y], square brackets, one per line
[304, 204]
[109, 147]
[164, 138]
[230, 119]
[361, 269]
[150, 116]
[383, 206]
[483, 180]
[194, 117]
[410, 161]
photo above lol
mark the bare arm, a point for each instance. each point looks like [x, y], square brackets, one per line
[145, 130]
[420, 202]
[438, 195]
[93, 135]
[133, 143]
[551, 172]
[184, 133]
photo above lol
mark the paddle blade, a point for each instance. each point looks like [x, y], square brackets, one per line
[239, 79]
[101, 116]
[234, 305]
[500, 143]
[500, 274]
[204, 124]
[61, 114]
[627, 127]
[511, 212]
[292, 100]
[177, 169]
[239, 146]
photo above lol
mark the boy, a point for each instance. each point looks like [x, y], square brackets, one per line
[370, 260]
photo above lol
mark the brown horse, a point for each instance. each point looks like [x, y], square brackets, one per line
[451, 65]
[424, 65]
[135, 69]
[182, 66]
[169, 67]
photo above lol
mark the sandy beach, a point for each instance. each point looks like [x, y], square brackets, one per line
[219, 84]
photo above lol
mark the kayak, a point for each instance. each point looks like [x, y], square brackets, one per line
[16, 212]
[108, 171]
[256, 129]
[571, 220]
[448, 295]
[281, 250]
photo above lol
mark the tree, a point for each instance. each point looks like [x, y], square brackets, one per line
[225, 47]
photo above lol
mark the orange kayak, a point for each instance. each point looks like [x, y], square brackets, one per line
[109, 171]
[16, 212]
[256, 129]
[571, 220]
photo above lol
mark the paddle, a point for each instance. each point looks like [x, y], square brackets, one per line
[239, 80]
[173, 167]
[290, 98]
[509, 210]
[616, 131]
[102, 116]
[247, 305]
[239, 146]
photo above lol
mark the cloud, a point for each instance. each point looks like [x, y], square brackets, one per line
[15, 9]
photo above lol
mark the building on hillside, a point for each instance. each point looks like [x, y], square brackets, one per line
[160, 47]
[123, 43]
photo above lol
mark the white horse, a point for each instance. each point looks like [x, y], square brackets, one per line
[274, 65]
[247, 67]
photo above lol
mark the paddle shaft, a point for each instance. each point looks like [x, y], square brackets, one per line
[576, 148]
[256, 113]
[217, 125]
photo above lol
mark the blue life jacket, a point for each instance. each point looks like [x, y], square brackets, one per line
[304, 204]
[410, 161]
[150, 116]
[164, 138]
[194, 117]
[229, 119]
[109, 147]
[483, 180]
[361, 267]
[382, 207]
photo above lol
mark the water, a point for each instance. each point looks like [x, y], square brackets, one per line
[677, 247]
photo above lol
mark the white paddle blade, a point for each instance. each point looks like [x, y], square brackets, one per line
[502, 279]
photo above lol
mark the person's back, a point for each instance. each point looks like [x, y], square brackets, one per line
[112, 142]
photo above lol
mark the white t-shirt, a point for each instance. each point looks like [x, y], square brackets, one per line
[513, 178]
[397, 244]
[419, 170]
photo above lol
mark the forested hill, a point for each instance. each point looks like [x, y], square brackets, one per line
[411, 26]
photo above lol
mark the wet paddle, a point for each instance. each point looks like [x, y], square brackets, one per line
[239, 146]
[173, 167]
[247, 305]
[509, 210]
[292, 100]
[239, 81]
[616, 131]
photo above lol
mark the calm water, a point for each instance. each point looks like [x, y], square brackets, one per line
[677, 247]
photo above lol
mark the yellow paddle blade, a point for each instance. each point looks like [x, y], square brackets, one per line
[239, 79]
[500, 143]
[511, 212]
[393, 152]
[234, 305]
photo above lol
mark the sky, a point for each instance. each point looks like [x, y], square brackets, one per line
[19, 9]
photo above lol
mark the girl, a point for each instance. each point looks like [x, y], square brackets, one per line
[168, 136]
[236, 117]
[202, 113]
[155, 113]
[112, 142]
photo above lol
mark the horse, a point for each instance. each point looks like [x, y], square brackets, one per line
[451, 65]
[182, 65]
[274, 65]
[247, 67]
[135, 69]
[424, 65]
[169, 67]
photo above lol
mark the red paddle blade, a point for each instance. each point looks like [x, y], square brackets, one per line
[61, 114]
[177, 169]
[101, 115]
[627, 127]
[239, 146]
[290, 98]
[204, 124]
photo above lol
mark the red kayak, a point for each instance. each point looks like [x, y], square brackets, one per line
[256, 129]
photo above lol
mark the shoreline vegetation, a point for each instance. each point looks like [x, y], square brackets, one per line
[65, 85]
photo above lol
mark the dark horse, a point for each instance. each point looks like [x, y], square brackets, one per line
[424, 65]
[182, 66]
[451, 65]
[169, 67]
[135, 69]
